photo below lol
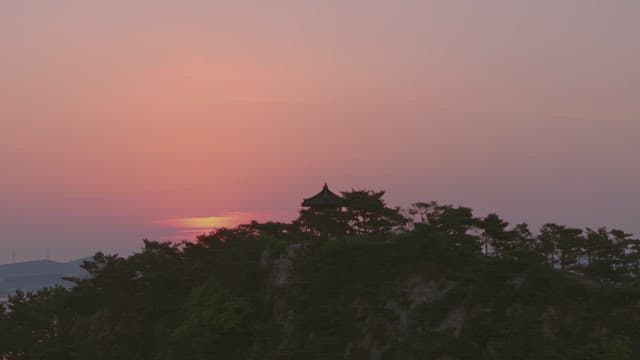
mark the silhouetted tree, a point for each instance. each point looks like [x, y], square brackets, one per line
[448, 219]
[324, 222]
[523, 238]
[569, 242]
[366, 213]
[560, 245]
[632, 258]
[547, 241]
[446, 223]
[612, 255]
[596, 243]
[271, 228]
[622, 247]
[494, 233]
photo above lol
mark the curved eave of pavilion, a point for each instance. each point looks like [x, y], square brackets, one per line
[324, 198]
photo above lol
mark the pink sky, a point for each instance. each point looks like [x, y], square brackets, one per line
[117, 119]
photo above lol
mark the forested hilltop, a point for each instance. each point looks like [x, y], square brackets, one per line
[361, 280]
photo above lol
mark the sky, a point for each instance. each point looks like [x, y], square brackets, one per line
[159, 119]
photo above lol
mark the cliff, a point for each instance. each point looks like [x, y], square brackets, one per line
[246, 294]
[407, 300]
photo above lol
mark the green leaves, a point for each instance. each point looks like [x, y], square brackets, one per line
[217, 324]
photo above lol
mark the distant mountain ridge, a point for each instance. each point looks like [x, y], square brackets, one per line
[34, 275]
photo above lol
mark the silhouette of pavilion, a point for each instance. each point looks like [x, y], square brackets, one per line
[323, 200]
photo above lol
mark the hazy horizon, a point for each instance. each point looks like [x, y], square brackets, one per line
[156, 119]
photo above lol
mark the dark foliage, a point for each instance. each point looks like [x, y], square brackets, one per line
[358, 282]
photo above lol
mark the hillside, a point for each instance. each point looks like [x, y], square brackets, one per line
[338, 300]
[440, 285]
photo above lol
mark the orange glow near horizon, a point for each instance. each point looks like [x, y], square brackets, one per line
[190, 227]
[200, 222]
[208, 222]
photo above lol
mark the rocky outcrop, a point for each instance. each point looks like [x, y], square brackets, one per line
[281, 266]
[454, 320]
[550, 319]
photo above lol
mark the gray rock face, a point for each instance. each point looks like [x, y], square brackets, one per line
[415, 292]
[550, 318]
[516, 282]
[454, 320]
[283, 265]
[281, 271]
[265, 258]
[288, 329]
[280, 275]
[420, 292]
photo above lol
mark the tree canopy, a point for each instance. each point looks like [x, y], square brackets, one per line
[362, 280]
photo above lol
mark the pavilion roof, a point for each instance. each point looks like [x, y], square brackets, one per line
[325, 198]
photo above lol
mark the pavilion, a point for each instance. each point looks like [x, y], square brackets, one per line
[325, 199]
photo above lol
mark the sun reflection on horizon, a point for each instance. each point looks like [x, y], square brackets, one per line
[191, 227]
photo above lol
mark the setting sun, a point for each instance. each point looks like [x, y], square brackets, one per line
[208, 222]
[188, 226]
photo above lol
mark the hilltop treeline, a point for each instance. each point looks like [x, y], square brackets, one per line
[366, 281]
